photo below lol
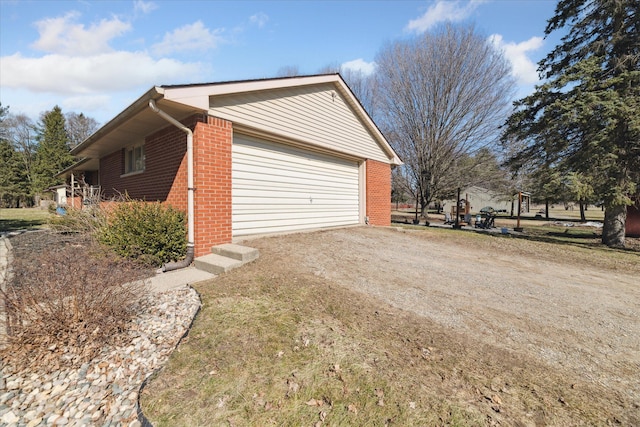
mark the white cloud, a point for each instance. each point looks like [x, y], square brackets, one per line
[260, 19]
[443, 11]
[64, 36]
[107, 72]
[189, 37]
[144, 6]
[359, 65]
[86, 103]
[523, 68]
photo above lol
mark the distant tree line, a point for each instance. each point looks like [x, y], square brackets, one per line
[444, 101]
[31, 154]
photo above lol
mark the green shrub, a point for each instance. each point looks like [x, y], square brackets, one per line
[148, 232]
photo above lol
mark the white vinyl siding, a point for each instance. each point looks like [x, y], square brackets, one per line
[315, 114]
[277, 188]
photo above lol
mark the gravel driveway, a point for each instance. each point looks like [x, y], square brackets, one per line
[575, 317]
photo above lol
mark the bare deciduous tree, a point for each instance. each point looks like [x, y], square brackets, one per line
[363, 86]
[288, 71]
[79, 128]
[441, 96]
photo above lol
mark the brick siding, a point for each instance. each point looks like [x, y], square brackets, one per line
[165, 176]
[632, 227]
[212, 154]
[378, 183]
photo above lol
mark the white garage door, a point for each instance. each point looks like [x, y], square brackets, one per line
[277, 188]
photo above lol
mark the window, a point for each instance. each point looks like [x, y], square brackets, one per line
[134, 159]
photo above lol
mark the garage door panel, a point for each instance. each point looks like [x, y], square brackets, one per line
[259, 226]
[278, 188]
[298, 179]
[295, 195]
[292, 169]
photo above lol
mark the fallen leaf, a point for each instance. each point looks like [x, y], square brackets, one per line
[352, 408]
[293, 387]
[322, 415]
[379, 392]
[496, 399]
[315, 402]
[412, 405]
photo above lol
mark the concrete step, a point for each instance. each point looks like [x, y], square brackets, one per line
[241, 253]
[216, 264]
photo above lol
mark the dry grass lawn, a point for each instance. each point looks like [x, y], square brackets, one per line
[280, 343]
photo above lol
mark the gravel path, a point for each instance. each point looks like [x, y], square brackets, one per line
[575, 318]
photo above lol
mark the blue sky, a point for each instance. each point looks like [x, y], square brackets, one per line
[96, 57]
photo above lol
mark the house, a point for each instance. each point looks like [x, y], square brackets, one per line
[478, 197]
[246, 157]
[59, 194]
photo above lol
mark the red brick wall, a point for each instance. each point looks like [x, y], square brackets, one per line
[165, 169]
[74, 202]
[212, 154]
[378, 176]
[165, 176]
[632, 228]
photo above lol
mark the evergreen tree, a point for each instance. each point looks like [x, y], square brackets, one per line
[17, 148]
[52, 154]
[584, 118]
[7, 164]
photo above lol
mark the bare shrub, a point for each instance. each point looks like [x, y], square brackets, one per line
[88, 221]
[65, 303]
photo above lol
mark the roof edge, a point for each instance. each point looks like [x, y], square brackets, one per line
[154, 93]
[72, 167]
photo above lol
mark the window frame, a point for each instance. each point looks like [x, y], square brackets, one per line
[134, 159]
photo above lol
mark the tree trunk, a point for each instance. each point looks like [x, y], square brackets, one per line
[546, 209]
[613, 230]
[423, 206]
[582, 217]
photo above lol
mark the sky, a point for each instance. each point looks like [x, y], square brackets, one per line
[97, 57]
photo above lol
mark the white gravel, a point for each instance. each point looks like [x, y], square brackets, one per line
[104, 391]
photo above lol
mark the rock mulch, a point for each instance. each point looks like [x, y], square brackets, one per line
[103, 391]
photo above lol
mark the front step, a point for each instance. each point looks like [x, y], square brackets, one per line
[241, 253]
[225, 257]
[216, 264]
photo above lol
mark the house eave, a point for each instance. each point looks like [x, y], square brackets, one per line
[132, 125]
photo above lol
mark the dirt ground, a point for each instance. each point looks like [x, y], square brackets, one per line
[576, 316]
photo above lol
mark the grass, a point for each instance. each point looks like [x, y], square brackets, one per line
[563, 227]
[275, 345]
[23, 218]
[274, 353]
